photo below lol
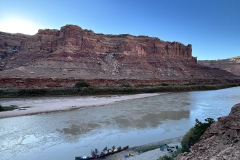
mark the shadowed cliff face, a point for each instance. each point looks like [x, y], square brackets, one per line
[231, 65]
[72, 52]
[220, 142]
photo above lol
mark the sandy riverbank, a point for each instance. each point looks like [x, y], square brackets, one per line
[152, 154]
[55, 104]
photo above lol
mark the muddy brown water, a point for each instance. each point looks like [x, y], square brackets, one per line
[64, 135]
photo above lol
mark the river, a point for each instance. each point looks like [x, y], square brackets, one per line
[64, 135]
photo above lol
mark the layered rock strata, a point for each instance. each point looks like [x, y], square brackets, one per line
[231, 65]
[72, 53]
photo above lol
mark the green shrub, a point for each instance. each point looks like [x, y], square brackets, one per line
[190, 138]
[165, 84]
[81, 84]
[143, 85]
[195, 133]
[166, 158]
[126, 85]
[32, 92]
[8, 108]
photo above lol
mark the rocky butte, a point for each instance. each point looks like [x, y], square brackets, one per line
[60, 58]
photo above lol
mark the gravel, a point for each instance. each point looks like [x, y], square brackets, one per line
[153, 154]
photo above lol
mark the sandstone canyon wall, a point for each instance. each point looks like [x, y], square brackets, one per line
[72, 53]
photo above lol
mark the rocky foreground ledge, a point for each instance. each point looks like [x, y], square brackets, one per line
[220, 142]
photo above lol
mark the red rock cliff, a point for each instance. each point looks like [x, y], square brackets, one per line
[75, 53]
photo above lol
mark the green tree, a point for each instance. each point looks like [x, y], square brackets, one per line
[81, 84]
[195, 133]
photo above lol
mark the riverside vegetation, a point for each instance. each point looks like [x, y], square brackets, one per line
[82, 88]
[7, 108]
[11, 107]
[191, 137]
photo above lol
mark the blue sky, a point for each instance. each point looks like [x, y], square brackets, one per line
[211, 26]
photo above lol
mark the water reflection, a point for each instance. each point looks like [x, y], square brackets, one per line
[74, 129]
[150, 120]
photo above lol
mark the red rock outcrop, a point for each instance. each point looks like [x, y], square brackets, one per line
[220, 142]
[75, 53]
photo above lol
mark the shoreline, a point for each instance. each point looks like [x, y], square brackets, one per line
[72, 102]
[147, 151]
[60, 104]
[94, 91]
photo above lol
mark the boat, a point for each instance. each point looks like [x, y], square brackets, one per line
[105, 152]
[83, 158]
